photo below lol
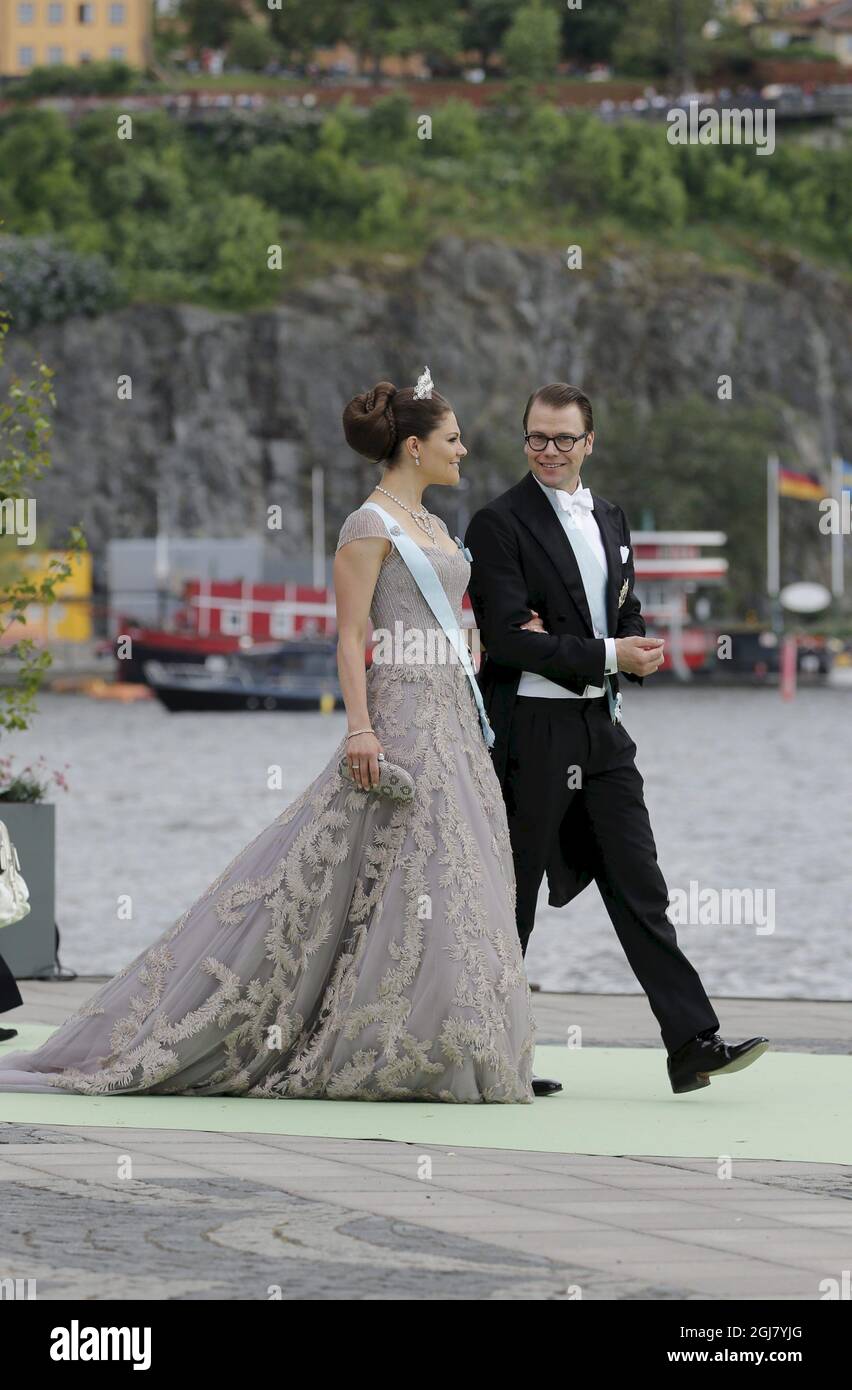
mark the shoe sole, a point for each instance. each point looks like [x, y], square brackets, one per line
[703, 1078]
[739, 1063]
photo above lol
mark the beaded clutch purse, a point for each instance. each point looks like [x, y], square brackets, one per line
[394, 781]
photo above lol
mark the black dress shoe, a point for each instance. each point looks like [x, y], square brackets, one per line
[6, 1033]
[692, 1065]
[542, 1087]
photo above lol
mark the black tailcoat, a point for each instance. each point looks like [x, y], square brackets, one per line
[522, 560]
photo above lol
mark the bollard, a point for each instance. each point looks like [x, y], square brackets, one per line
[789, 666]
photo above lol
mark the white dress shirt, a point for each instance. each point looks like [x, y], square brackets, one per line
[533, 684]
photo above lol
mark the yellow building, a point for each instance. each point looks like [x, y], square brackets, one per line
[69, 618]
[41, 33]
[754, 11]
[827, 29]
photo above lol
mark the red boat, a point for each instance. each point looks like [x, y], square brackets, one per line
[222, 618]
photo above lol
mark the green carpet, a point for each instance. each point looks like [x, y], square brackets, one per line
[616, 1101]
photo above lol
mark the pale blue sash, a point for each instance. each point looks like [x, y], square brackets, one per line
[433, 591]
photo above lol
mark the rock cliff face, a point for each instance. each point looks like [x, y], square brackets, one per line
[230, 411]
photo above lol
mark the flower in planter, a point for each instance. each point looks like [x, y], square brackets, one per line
[31, 783]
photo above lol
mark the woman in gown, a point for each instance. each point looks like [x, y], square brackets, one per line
[360, 948]
[10, 998]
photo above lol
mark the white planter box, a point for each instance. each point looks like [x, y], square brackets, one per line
[29, 946]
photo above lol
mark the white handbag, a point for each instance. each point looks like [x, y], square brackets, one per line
[14, 893]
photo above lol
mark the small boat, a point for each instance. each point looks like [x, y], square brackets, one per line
[284, 676]
[158, 645]
[121, 691]
[754, 658]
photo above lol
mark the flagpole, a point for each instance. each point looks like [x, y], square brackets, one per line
[161, 558]
[318, 525]
[837, 533]
[773, 544]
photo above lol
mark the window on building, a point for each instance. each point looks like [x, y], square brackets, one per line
[280, 623]
[26, 14]
[84, 57]
[56, 55]
[86, 14]
[118, 14]
[233, 622]
[26, 57]
[118, 53]
[56, 14]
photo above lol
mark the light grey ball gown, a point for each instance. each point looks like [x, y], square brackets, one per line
[359, 948]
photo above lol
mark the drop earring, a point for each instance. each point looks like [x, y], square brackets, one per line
[417, 459]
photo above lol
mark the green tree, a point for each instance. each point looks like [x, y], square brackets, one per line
[323, 189]
[251, 47]
[662, 38]
[695, 458]
[300, 29]
[24, 432]
[736, 193]
[593, 166]
[229, 242]
[456, 131]
[36, 159]
[532, 45]
[209, 23]
[653, 195]
[389, 124]
[47, 279]
[590, 34]
[484, 25]
[378, 28]
[108, 77]
[151, 184]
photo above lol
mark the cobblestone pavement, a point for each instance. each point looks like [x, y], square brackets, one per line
[98, 1213]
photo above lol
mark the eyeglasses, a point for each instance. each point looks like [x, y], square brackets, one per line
[564, 442]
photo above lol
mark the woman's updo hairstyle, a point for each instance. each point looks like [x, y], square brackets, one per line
[376, 422]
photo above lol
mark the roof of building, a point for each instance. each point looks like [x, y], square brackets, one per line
[831, 16]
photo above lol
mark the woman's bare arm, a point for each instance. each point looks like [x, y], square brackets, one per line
[356, 571]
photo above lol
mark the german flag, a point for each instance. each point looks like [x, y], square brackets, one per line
[805, 486]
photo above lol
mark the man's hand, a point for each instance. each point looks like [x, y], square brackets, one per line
[535, 623]
[640, 656]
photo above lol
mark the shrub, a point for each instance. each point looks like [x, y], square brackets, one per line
[96, 79]
[532, 45]
[251, 48]
[46, 281]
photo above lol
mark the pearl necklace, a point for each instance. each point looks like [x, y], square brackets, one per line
[422, 517]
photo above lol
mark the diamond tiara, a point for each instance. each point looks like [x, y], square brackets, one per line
[423, 389]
